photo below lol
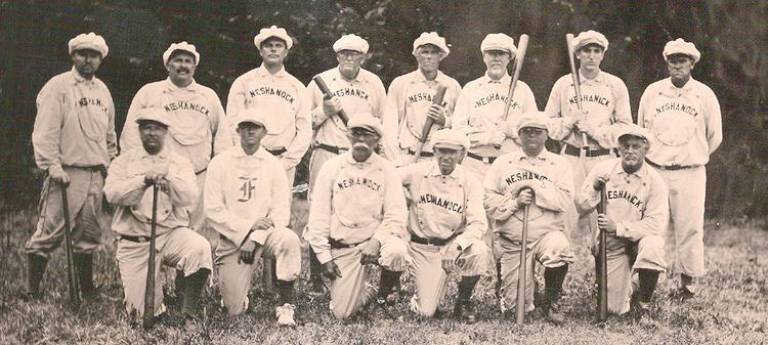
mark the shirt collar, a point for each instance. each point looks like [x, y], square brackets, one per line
[504, 80]
[640, 173]
[351, 160]
[263, 72]
[359, 78]
[163, 154]
[79, 78]
[171, 86]
[599, 78]
[434, 170]
[420, 77]
[687, 87]
[260, 153]
[542, 156]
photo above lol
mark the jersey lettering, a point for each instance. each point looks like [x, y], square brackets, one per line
[524, 175]
[247, 188]
[679, 107]
[182, 105]
[271, 91]
[446, 204]
[634, 200]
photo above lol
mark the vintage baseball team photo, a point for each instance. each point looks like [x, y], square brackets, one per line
[437, 172]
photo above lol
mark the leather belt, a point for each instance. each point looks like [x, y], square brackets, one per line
[330, 148]
[137, 239]
[575, 151]
[672, 167]
[438, 242]
[335, 244]
[277, 152]
[486, 160]
[423, 154]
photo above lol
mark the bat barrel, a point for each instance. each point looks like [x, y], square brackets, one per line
[522, 271]
[602, 283]
[148, 319]
[74, 288]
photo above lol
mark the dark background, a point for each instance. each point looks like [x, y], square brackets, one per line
[731, 35]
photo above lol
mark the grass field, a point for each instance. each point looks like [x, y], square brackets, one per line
[732, 307]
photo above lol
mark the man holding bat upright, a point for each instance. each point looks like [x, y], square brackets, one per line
[129, 187]
[447, 223]
[605, 105]
[541, 181]
[357, 217]
[248, 202]
[480, 107]
[74, 140]
[635, 220]
[353, 90]
[409, 100]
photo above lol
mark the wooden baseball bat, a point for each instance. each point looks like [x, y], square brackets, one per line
[436, 99]
[74, 286]
[576, 87]
[522, 271]
[602, 274]
[149, 290]
[328, 94]
[522, 47]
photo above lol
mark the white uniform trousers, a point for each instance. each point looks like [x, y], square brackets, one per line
[621, 254]
[685, 235]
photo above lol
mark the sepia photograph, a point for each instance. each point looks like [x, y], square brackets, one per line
[384, 172]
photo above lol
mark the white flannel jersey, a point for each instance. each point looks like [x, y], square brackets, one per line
[355, 201]
[125, 188]
[364, 94]
[685, 123]
[442, 205]
[405, 112]
[479, 112]
[285, 100]
[550, 177]
[637, 202]
[606, 100]
[241, 188]
[75, 123]
[197, 131]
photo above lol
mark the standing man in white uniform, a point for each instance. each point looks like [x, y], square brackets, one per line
[447, 222]
[356, 91]
[74, 140]
[271, 87]
[197, 131]
[480, 107]
[605, 102]
[685, 124]
[409, 100]
[248, 202]
[357, 217]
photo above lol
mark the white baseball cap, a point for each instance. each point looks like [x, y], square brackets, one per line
[431, 38]
[256, 116]
[533, 119]
[450, 138]
[680, 46]
[632, 130]
[152, 114]
[273, 31]
[351, 42]
[89, 41]
[366, 121]
[183, 46]
[498, 42]
[590, 37]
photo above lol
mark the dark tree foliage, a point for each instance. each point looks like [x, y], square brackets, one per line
[730, 34]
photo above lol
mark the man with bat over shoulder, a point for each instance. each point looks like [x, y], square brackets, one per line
[539, 181]
[129, 187]
[634, 220]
